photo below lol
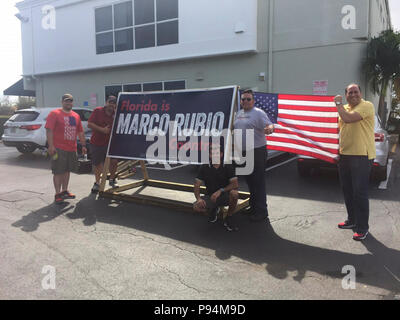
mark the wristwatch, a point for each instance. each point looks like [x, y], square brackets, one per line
[222, 189]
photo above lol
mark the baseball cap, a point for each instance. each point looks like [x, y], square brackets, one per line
[67, 96]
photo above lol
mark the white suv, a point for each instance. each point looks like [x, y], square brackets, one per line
[25, 129]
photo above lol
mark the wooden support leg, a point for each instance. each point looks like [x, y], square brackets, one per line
[144, 170]
[103, 179]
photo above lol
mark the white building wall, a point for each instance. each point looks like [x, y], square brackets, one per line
[206, 28]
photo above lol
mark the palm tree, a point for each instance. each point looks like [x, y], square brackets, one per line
[382, 65]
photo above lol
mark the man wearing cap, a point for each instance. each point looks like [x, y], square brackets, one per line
[101, 121]
[62, 128]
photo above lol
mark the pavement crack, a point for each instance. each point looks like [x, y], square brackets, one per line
[82, 271]
[178, 277]
[302, 216]
[201, 257]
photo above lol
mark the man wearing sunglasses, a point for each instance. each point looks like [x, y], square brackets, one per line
[62, 127]
[250, 117]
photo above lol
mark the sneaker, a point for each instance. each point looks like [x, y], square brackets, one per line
[346, 225]
[113, 183]
[58, 199]
[67, 195]
[213, 215]
[95, 187]
[360, 236]
[229, 226]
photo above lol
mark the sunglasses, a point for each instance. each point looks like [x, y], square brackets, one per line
[68, 100]
[247, 99]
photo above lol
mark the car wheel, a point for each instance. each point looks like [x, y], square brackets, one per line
[26, 148]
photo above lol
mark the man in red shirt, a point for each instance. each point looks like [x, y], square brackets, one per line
[62, 127]
[101, 121]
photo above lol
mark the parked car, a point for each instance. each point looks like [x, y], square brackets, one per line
[393, 126]
[25, 129]
[379, 169]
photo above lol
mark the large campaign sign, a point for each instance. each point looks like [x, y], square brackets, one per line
[173, 126]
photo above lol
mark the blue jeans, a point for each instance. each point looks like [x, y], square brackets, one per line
[256, 183]
[354, 177]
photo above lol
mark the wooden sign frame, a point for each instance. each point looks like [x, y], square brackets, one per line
[118, 193]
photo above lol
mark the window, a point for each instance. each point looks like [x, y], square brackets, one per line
[167, 9]
[167, 33]
[150, 86]
[123, 15]
[144, 11]
[136, 24]
[145, 37]
[24, 116]
[104, 43]
[124, 40]
[103, 19]
[132, 87]
[154, 86]
[113, 90]
[104, 38]
[174, 85]
[83, 114]
[86, 115]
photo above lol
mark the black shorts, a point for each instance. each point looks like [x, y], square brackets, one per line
[222, 200]
[98, 154]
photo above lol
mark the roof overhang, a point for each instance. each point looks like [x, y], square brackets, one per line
[17, 89]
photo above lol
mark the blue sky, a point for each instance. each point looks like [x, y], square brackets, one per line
[11, 55]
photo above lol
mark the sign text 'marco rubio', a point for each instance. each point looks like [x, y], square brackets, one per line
[147, 118]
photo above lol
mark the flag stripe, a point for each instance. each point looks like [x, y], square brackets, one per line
[305, 97]
[303, 152]
[305, 103]
[310, 124]
[321, 119]
[308, 108]
[316, 136]
[308, 128]
[288, 140]
[329, 145]
[304, 148]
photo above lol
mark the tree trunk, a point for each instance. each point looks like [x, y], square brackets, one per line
[381, 106]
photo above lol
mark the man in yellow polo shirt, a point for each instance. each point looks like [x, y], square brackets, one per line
[357, 151]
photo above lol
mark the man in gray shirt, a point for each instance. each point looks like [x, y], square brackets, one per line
[250, 117]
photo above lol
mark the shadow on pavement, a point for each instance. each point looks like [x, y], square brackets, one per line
[255, 242]
[35, 160]
[32, 221]
[86, 209]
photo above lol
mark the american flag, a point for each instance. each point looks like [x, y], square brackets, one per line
[304, 124]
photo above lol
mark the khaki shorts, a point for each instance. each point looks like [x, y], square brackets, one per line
[67, 161]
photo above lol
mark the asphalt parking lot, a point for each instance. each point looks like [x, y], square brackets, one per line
[101, 249]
